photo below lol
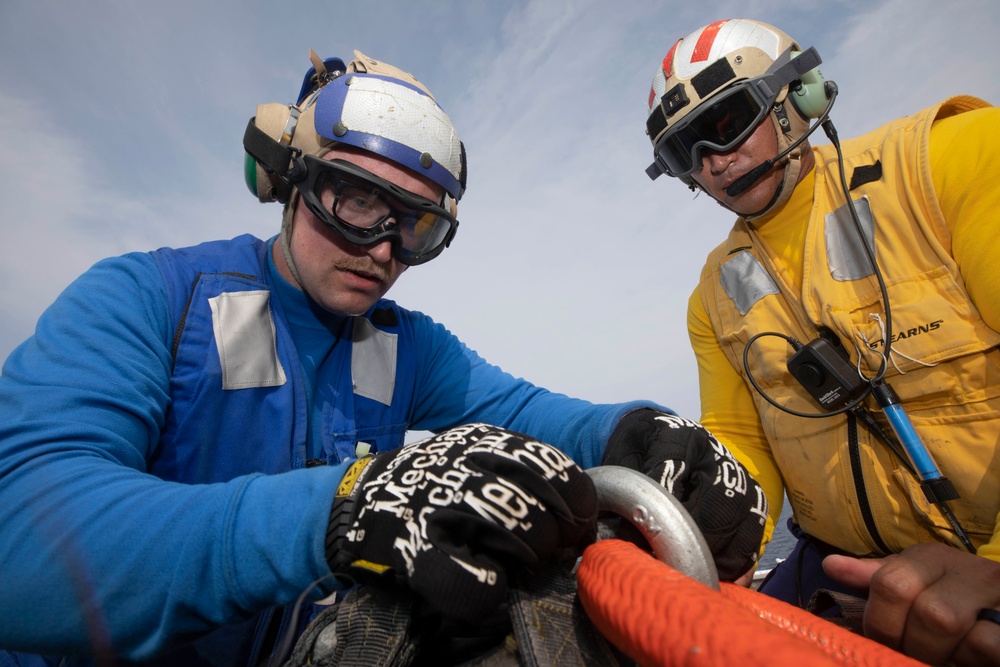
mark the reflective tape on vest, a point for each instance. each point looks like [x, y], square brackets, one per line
[373, 362]
[845, 255]
[245, 338]
[746, 281]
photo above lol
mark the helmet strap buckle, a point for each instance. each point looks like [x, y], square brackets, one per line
[782, 117]
[297, 166]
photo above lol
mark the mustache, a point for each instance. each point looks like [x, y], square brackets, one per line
[364, 265]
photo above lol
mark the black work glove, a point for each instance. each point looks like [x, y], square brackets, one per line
[449, 515]
[717, 491]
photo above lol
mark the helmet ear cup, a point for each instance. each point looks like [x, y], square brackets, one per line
[810, 99]
[250, 168]
[271, 119]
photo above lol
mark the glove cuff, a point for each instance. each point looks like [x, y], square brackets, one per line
[343, 510]
[629, 442]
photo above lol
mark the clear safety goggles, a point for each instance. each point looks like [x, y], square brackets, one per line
[366, 210]
[719, 125]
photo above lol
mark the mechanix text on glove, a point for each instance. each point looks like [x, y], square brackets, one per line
[450, 515]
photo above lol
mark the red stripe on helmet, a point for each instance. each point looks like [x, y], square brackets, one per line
[668, 62]
[705, 41]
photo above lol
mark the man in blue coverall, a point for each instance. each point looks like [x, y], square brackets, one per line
[144, 426]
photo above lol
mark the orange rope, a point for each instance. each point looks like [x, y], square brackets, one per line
[837, 642]
[659, 616]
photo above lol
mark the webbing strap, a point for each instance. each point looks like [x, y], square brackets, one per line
[551, 626]
[370, 626]
[851, 609]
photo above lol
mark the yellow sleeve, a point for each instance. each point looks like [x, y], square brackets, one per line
[965, 158]
[728, 410]
[991, 549]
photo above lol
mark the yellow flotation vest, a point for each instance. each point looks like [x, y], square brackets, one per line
[845, 487]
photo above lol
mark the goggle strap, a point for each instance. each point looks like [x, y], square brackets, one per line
[273, 156]
[786, 69]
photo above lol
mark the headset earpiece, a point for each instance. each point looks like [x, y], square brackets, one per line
[810, 98]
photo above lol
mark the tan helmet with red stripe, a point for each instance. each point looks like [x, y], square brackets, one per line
[714, 58]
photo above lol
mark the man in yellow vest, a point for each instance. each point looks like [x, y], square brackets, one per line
[846, 330]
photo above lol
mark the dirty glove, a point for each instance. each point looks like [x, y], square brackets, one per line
[449, 515]
[717, 491]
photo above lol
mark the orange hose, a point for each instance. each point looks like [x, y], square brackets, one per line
[659, 616]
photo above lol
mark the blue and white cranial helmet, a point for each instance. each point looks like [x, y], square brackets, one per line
[370, 105]
[396, 119]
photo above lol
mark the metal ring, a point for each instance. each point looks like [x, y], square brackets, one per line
[662, 520]
[987, 614]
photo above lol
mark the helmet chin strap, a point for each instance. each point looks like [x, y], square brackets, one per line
[286, 235]
[792, 164]
[793, 169]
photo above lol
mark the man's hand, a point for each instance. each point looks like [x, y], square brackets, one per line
[449, 515]
[724, 500]
[924, 601]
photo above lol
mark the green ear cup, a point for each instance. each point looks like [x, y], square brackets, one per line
[250, 173]
[810, 99]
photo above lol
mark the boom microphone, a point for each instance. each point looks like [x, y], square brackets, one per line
[743, 183]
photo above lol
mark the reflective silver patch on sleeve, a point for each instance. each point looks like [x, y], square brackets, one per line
[245, 337]
[746, 281]
[844, 253]
[373, 362]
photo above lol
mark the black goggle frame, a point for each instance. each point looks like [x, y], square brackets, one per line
[679, 150]
[309, 175]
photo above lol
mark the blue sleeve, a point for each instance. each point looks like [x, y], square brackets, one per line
[456, 386]
[91, 543]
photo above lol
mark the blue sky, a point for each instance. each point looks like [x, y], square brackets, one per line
[121, 126]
